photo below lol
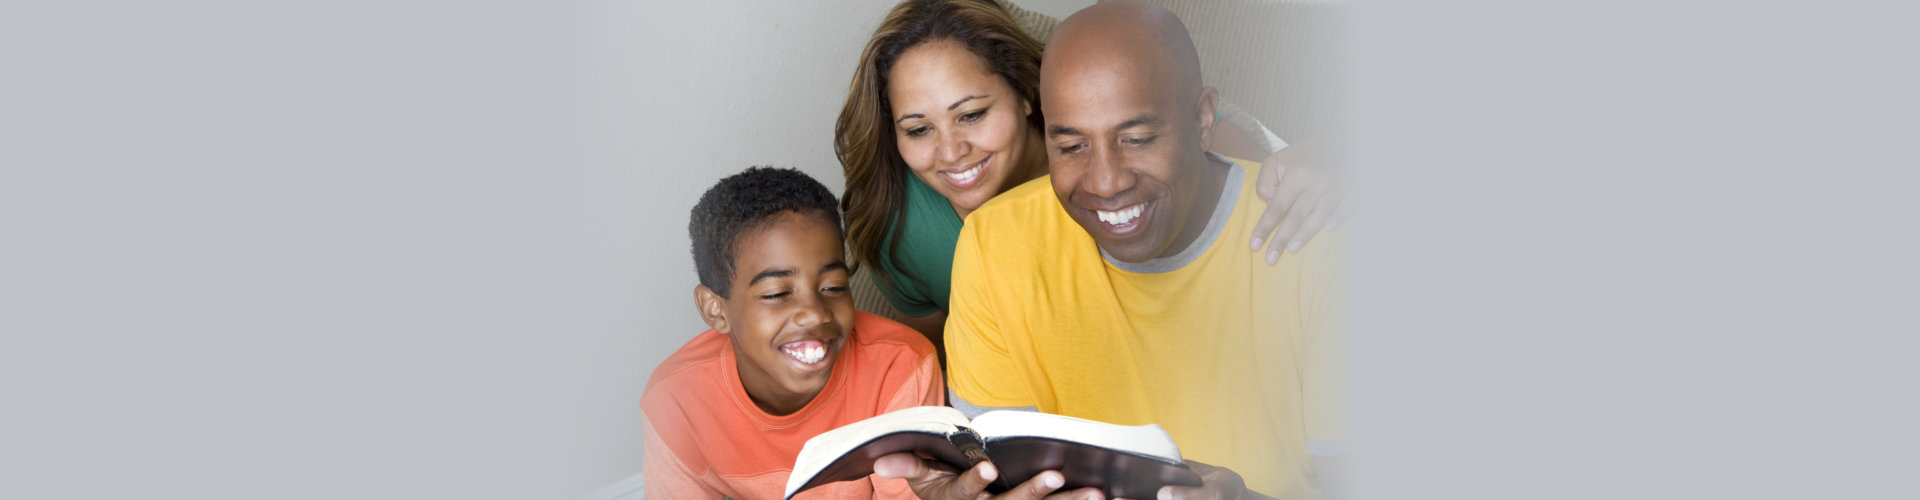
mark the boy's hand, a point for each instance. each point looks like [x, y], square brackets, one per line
[933, 480]
[1216, 483]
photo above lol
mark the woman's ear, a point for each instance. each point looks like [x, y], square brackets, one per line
[713, 309]
[1026, 107]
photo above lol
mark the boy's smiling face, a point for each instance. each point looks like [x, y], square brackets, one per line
[789, 313]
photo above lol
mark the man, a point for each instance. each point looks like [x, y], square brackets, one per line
[1122, 294]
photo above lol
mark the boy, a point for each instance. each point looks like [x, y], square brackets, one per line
[787, 357]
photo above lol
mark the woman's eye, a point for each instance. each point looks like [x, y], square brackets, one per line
[972, 117]
[834, 289]
[918, 131]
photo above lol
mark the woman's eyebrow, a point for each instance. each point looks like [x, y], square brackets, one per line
[956, 104]
[950, 107]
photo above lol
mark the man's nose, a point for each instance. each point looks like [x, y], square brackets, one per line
[1107, 175]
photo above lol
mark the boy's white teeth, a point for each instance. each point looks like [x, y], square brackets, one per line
[810, 354]
[968, 174]
[1122, 216]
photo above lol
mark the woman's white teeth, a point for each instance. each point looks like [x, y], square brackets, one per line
[810, 354]
[1120, 217]
[968, 174]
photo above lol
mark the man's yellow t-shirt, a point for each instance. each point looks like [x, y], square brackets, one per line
[1236, 359]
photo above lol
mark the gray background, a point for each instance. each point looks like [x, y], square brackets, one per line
[432, 249]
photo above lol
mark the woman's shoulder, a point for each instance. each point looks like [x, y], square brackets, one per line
[925, 208]
[927, 224]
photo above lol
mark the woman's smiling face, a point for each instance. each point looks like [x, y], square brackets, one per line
[959, 126]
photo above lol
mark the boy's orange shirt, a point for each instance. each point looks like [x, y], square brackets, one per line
[705, 438]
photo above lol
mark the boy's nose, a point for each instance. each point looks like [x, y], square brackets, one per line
[813, 311]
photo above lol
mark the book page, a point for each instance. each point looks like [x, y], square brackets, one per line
[823, 450]
[1149, 440]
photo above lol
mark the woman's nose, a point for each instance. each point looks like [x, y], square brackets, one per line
[953, 147]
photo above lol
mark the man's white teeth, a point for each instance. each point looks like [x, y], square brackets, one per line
[808, 355]
[968, 174]
[1120, 217]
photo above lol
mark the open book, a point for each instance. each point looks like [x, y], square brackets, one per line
[1123, 461]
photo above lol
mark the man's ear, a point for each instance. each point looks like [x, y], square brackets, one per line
[713, 309]
[1209, 100]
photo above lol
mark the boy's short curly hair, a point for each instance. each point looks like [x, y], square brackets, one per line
[744, 201]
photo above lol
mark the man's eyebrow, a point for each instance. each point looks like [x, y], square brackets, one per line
[1138, 121]
[956, 104]
[775, 273]
[1057, 130]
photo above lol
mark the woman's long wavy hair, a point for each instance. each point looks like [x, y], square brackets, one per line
[864, 136]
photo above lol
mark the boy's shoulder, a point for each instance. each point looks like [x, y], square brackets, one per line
[694, 365]
[877, 333]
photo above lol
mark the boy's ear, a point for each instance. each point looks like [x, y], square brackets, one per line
[713, 309]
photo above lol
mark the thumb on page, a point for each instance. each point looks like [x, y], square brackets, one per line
[900, 465]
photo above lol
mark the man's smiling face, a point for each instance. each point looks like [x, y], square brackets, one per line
[1126, 142]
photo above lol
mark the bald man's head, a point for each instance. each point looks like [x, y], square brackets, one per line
[1128, 126]
[1143, 39]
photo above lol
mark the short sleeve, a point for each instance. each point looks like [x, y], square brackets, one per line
[923, 388]
[666, 475]
[980, 368]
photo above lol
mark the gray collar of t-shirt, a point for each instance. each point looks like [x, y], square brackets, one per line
[1229, 195]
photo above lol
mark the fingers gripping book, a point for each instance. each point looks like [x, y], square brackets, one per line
[1123, 461]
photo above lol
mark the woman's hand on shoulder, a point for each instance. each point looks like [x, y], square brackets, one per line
[1303, 197]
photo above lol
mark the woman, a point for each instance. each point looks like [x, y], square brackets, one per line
[943, 114]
